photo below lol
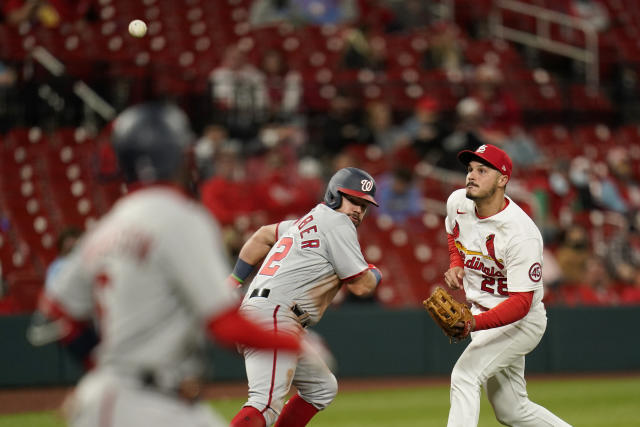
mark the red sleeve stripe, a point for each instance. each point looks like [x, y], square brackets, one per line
[508, 311]
[346, 279]
[53, 310]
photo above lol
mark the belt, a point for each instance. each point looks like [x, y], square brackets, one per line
[303, 317]
[261, 292]
[189, 389]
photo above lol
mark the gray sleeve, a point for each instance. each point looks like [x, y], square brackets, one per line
[72, 287]
[197, 261]
[283, 226]
[344, 251]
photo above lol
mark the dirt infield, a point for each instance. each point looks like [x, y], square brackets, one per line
[47, 399]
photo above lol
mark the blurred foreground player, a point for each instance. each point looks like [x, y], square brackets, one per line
[496, 255]
[152, 277]
[306, 263]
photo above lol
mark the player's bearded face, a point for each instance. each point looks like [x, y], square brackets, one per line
[354, 207]
[482, 181]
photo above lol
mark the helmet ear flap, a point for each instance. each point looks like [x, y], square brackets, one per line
[333, 199]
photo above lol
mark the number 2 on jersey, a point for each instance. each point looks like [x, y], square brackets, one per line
[269, 268]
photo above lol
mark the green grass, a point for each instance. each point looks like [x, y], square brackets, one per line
[593, 402]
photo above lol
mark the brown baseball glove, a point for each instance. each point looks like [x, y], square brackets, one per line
[454, 318]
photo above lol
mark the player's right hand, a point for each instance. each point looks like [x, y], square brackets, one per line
[453, 277]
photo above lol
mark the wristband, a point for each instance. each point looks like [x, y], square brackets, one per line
[242, 270]
[376, 273]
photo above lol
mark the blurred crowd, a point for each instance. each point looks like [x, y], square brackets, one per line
[262, 155]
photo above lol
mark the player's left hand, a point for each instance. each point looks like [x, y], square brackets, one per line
[465, 328]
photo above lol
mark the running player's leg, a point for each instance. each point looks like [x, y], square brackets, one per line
[466, 388]
[269, 374]
[102, 398]
[317, 387]
[489, 352]
[507, 393]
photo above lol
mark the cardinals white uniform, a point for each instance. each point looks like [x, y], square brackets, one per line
[292, 289]
[501, 254]
[153, 269]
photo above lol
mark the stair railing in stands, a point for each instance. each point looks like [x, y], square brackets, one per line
[542, 38]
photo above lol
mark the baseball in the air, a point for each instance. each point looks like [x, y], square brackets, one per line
[137, 28]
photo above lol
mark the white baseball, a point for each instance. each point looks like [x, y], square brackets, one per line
[137, 28]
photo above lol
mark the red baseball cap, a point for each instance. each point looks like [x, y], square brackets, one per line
[490, 154]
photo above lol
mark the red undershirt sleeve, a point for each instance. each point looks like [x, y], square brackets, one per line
[230, 328]
[455, 260]
[508, 311]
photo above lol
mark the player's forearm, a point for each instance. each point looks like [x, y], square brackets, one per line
[365, 284]
[232, 328]
[455, 260]
[51, 323]
[510, 310]
[258, 245]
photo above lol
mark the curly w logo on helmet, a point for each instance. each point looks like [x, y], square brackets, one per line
[366, 185]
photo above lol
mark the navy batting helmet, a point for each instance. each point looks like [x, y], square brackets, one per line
[150, 140]
[352, 181]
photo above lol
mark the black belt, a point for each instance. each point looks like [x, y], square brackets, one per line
[188, 389]
[303, 316]
[262, 292]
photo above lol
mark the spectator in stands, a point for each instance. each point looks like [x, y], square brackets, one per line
[382, 131]
[227, 194]
[341, 126]
[399, 198]
[591, 10]
[343, 159]
[584, 279]
[213, 138]
[48, 13]
[323, 12]
[426, 130]
[581, 178]
[623, 253]
[377, 15]
[268, 12]
[362, 51]
[444, 51]
[521, 147]
[239, 93]
[555, 197]
[573, 254]
[622, 177]
[501, 113]
[7, 76]
[410, 14]
[279, 188]
[467, 134]
[501, 123]
[66, 242]
[301, 12]
[230, 198]
[8, 95]
[284, 86]
[604, 191]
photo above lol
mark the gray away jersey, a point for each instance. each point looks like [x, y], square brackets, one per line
[154, 271]
[309, 261]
